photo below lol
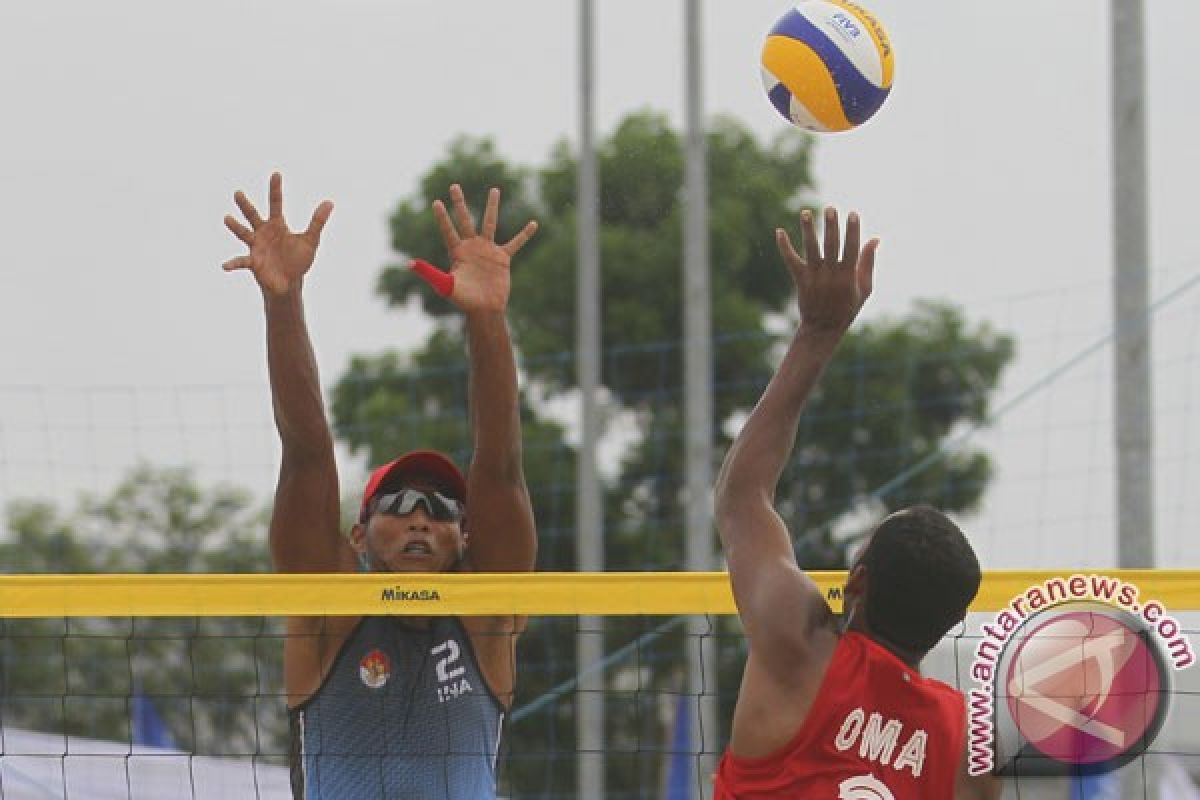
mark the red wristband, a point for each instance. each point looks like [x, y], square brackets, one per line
[442, 282]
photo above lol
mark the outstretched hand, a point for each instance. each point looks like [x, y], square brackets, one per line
[478, 279]
[278, 257]
[830, 289]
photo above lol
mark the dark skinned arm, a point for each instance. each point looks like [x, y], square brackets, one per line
[781, 607]
[499, 513]
[305, 521]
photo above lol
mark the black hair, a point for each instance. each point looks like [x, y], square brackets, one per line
[921, 576]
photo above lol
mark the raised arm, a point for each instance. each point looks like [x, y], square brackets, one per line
[781, 607]
[304, 530]
[499, 514]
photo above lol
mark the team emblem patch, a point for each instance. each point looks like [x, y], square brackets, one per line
[375, 668]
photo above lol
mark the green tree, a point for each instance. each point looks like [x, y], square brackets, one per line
[215, 681]
[897, 390]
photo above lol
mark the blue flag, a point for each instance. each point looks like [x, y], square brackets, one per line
[1106, 786]
[148, 727]
[679, 774]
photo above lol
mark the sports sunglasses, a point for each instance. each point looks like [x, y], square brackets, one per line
[402, 503]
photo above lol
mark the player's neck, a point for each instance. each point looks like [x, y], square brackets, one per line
[909, 656]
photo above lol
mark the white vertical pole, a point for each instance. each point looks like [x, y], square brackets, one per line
[589, 645]
[1133, 420]
[1134, 409]
[700, 648]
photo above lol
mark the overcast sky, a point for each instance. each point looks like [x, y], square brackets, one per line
[128, 124]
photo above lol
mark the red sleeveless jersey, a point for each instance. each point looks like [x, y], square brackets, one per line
[877, 730]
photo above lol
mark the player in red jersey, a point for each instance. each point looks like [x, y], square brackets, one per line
[831, 711]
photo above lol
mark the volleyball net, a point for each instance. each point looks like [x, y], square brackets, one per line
[171, 686]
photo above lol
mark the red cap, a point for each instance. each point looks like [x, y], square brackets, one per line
[435, 465]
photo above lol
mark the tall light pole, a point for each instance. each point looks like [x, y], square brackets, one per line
[1132, 376]
[589, 641]
[1133, 379]
[700, 647]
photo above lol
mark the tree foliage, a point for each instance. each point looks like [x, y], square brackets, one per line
[910, 384]
[207, 677]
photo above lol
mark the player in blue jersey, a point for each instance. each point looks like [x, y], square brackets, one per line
[390, 707]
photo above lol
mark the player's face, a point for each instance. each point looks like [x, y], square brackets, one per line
[416, 539]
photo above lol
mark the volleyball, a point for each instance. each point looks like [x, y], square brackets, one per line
[827, 65]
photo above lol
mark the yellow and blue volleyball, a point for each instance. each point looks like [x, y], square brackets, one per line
[827, 65]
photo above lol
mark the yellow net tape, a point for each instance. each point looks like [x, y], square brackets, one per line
[540, 593]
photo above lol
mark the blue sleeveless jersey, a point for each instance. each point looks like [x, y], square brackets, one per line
[403, 713]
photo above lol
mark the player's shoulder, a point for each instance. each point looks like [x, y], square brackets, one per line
[949, 695]
[862, 647]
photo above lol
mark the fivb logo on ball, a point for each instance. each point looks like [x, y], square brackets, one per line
[1074, 674]
[827, 65]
